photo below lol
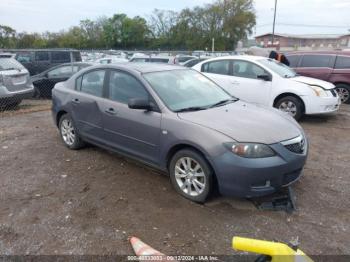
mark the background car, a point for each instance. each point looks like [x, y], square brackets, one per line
[331, 66]
[177, 120]
[15, 84]
[111, 60]
[39, 60]
[181, 59]
[193, 62]
[153, 59]
[45, 81]
[266, 82]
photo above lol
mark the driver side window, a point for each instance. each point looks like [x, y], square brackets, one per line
[123, 87]
[247, 69]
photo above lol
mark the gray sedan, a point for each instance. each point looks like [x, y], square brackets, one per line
[177, 120]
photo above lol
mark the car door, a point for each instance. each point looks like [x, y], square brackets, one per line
[87, 104]
[317, 66]
[136, 132]
[246, 83]
[54, 76]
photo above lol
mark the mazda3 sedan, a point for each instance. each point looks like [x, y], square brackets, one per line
[179, 121]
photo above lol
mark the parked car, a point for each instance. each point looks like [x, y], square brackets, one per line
[111, 60]
[179, 121]
[7, 55]
[15, 84]
[331, 66]
[45, 81]
[154, 59]
[266, 82]
[181, 59]
[193, 62]
[39, 60]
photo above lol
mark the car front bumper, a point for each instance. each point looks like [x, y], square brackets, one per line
[244, 177]
[321, 105]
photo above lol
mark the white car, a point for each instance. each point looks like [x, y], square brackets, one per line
[267, 82]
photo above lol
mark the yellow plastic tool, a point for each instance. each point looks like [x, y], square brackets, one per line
[279, 252]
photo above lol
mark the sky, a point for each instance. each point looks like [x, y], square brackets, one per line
[293, 16]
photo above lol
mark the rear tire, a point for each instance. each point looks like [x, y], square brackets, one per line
[343, 91]
[291, 105]
[69, 134]
[191, 175]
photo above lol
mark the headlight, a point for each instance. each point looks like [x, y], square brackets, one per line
[319, 91]
[251, 150]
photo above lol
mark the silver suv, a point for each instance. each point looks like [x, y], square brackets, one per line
[15, 83]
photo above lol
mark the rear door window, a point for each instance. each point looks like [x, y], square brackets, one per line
[60, 57]
[42, 56]
[342, 62]
[92, 83]
[220, 67]
[315, 61]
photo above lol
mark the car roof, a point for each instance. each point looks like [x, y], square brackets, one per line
[143, 67]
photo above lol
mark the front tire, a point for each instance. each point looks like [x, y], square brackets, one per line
[291, 105]
[191, 175]
[343, 91]
[69, 133]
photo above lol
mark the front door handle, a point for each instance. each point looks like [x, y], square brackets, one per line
[111, 111]
[75, 101]
[235, 82]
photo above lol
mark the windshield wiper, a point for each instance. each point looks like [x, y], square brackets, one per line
[224, 102]
[191, 108]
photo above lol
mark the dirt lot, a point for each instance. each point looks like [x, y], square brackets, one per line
[57, 201]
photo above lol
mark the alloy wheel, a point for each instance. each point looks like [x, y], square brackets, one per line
[288, 107]
[68, 132]
[190, 176]
[343, 94]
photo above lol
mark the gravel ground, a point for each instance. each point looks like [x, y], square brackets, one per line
[57, 201]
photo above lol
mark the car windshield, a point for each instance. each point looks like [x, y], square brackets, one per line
[187, 90]
[279, 68]
[9, 64]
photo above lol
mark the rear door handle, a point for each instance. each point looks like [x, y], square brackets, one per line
[111, 111]
[75, 101]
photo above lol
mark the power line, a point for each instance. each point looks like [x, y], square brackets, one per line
[305, 25]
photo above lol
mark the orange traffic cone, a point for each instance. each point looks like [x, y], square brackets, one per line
[142, 249]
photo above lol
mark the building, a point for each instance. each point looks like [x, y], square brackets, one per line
[296, 41]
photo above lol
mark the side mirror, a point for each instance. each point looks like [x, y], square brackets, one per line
[140, 103]
[264, 77]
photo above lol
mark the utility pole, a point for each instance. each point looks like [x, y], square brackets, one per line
[274, 22]
[213, 45]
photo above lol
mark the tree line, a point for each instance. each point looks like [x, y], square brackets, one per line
[227, 21]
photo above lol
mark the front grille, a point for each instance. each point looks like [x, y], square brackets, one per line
[296, 145]
[295, 148]
[334, 93]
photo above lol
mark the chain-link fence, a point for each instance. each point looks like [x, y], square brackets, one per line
[18, 91]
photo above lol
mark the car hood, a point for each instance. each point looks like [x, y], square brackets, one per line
[313, 81]
[245, 122]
